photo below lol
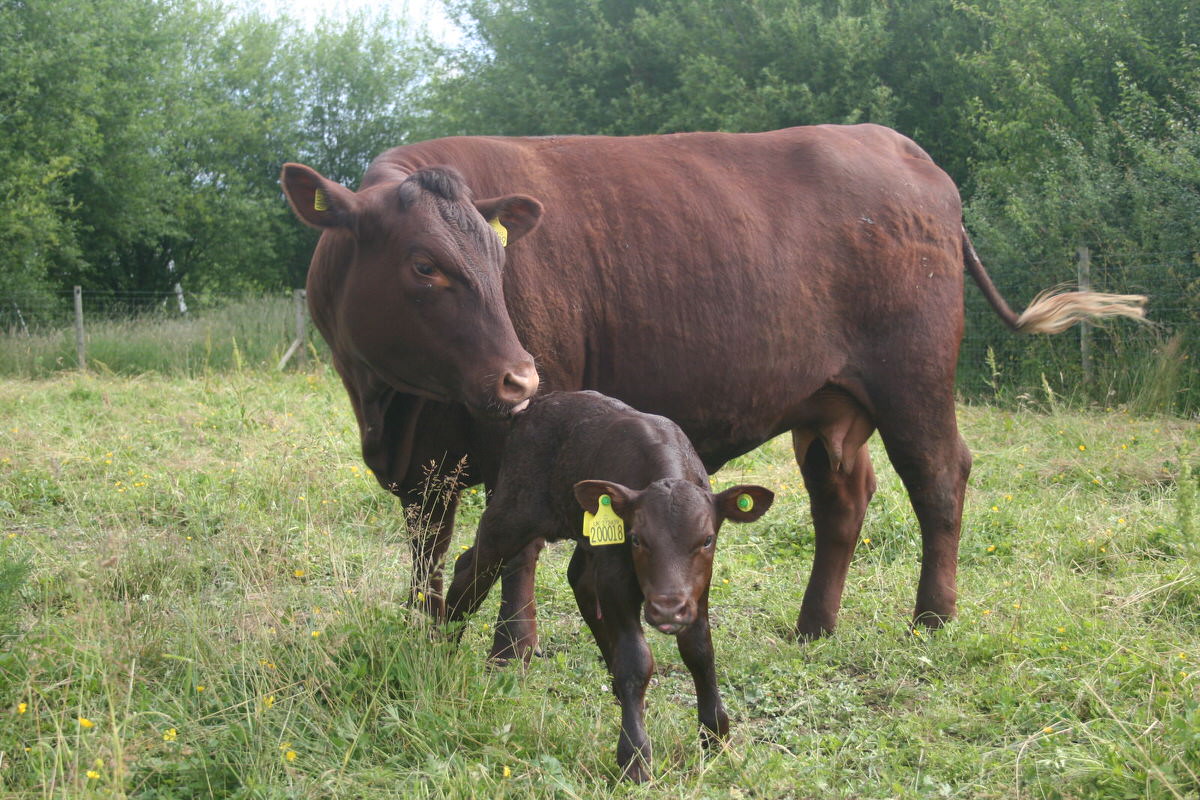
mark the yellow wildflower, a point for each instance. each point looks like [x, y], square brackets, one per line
[22, 708]
[507, 771]
[290, 755]
[170, 735]
[84, 722]
[92, 774]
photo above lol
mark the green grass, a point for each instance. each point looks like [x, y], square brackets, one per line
[249, 333]
[202, 569]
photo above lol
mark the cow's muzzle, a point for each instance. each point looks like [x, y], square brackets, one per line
[516, 386]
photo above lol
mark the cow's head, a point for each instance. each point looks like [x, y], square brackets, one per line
[421, 300]
[671, 531]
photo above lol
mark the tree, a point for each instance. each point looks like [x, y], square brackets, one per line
[140, 135]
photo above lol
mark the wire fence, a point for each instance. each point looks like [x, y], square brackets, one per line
[1151, 367]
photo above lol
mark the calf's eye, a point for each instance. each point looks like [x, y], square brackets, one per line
[635, 540]
[708, 541]
[424, 268]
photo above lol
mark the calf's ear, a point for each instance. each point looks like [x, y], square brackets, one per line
[318, 201]
[744, 503]
[518, 213]
[588, 493]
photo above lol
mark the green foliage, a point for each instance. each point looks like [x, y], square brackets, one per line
[143, 140]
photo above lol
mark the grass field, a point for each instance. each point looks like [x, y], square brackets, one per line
[201, 595]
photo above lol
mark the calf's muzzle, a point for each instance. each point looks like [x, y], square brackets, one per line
[670, 614]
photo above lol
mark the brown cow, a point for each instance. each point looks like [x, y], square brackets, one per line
[573, 449]
[743, 285]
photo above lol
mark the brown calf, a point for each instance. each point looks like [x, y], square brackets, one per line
[584, 449]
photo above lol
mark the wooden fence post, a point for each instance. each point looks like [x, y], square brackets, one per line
[80, 349]
[299, 302]
[297, 348]
[1084, 270]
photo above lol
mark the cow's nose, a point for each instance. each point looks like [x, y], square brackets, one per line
[518, 385]
[668, 613]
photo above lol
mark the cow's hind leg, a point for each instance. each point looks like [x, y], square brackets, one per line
[920, 433]
[838, 495]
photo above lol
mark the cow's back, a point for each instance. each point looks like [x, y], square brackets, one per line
[717, 279]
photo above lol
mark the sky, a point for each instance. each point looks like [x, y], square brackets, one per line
[308, 12]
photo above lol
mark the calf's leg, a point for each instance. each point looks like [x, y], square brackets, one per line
[516, 625]
[630, 664]
[838, 501]
[475, 572]
[583, 584]
[695, 646]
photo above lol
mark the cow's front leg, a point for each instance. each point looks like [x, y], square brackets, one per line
[632, 665]
[695, 646]
[430, 516]
[516, 625]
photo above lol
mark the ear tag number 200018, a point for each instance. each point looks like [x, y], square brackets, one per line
[603, 527]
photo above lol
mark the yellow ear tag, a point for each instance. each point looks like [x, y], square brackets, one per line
[320, 200]
[500, 230]
[603, 527]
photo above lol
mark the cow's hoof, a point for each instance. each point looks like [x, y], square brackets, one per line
[931, 620]
[808, 631]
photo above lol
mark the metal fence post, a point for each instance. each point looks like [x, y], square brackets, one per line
[80, 349]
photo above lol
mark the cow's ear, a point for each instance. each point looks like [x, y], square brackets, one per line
[518, 213]
[318, 201]
[744, 503]
[588, 493]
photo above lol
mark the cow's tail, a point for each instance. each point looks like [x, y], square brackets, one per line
[1054, 310]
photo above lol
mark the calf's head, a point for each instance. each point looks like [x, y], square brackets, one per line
[671, 531]
[420, 298]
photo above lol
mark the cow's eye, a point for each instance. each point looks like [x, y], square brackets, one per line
[708, 541]
[424, 268]
[635, 540]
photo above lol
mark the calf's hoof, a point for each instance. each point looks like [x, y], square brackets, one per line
[636, 771]
[710, 738]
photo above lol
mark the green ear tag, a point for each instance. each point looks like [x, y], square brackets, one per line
[745, 503]
[500, 230]
[603, 527]
[320, 200]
